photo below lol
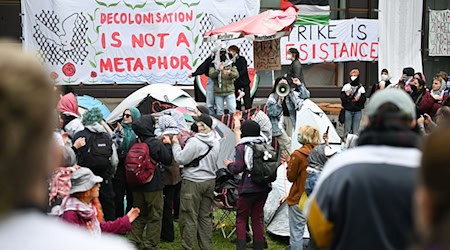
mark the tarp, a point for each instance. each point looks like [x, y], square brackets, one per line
[269, 25]
[162, 92]
[400, 30]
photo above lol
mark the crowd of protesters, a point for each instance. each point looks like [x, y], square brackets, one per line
[366, 197]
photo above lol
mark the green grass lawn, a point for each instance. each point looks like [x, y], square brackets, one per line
[219, 242]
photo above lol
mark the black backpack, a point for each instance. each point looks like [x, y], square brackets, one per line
[265, 163]
[99, 151]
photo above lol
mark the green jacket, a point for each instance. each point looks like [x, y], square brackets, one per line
[227, 87]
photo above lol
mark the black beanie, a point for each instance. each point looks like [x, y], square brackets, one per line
[250, 128]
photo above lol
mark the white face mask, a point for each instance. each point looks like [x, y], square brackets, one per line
[289, 57]
[384, 77]
[353, 78]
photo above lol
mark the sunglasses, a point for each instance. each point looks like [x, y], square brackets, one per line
[126, 115]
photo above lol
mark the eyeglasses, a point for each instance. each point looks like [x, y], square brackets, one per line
[126, 115]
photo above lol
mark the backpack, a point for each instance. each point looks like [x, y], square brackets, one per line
[139, 167]
[99, 151]
[265, 163]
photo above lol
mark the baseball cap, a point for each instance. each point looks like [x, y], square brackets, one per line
[395, 96]
[206, 119]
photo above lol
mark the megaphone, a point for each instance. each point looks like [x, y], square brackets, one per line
[283, 89]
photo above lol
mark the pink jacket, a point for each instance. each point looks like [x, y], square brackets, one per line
[118, 226]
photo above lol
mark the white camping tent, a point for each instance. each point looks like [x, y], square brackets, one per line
[311, 114]
[161, 92]
[276, 210]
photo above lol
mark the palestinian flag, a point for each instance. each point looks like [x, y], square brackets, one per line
[310, 12]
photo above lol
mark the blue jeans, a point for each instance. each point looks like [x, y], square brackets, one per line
[297, 222]
[311, 182]
[231, 103]
[210, 96]
[352, 121]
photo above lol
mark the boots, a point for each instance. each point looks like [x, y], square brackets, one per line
[241, 244]
[258, 245]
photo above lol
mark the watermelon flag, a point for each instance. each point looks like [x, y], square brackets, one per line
[311, 12]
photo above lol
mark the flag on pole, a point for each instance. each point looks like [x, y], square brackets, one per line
[310, 12]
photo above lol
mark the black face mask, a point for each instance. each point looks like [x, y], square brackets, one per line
[230, 55]
[223, 57]
[414, 88]
[194, 127]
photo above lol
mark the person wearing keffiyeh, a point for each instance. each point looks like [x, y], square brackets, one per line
[82, 206]
[252, 196]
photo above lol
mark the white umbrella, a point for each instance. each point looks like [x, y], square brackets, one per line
[161, 92]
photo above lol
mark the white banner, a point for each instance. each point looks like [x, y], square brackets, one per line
[121, 41]
[439, 33]
[400, 36]
[340, 41]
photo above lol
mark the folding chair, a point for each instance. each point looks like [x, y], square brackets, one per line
[224, 215]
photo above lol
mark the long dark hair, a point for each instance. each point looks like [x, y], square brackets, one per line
[278, 80]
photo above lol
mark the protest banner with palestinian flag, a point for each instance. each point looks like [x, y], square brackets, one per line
[310, 12]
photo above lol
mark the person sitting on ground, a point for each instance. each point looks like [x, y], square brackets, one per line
[83, 208]
[252, 196]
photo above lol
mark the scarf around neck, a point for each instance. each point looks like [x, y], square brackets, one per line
[85, 211]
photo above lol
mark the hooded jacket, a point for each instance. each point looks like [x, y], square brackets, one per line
[296, 173]
[159, 152]
[364, 196]
[195, 147]
[88, 131]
